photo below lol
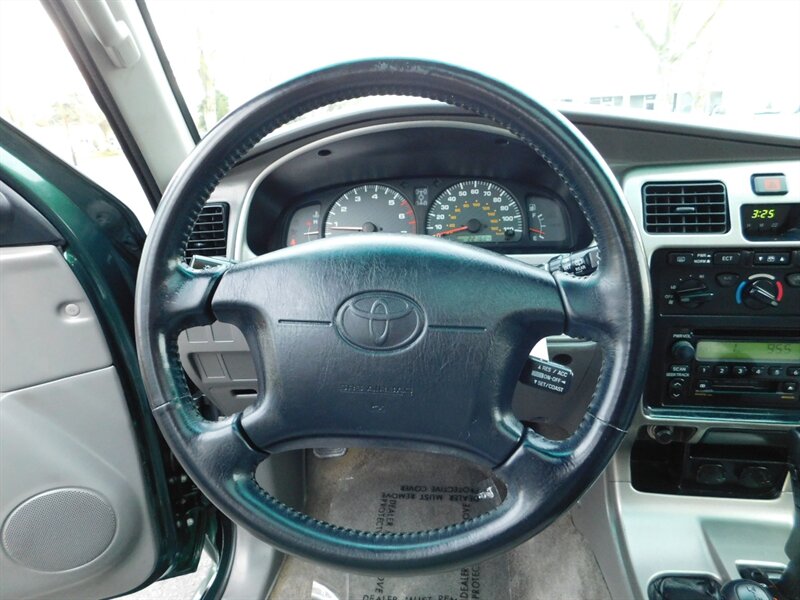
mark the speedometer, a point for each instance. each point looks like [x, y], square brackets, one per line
[476, 212]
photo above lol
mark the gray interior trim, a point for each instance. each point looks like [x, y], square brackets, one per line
[67, 434]
[45, 317]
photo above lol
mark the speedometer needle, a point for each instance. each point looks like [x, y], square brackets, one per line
[336, 228]
[450, 231]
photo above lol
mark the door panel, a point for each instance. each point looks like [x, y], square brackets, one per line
[75, 515]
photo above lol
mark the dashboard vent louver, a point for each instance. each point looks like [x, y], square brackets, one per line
[210, 232]
[685, 207]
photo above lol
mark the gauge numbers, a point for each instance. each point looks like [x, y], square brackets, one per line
[369, 209]
[475, 212]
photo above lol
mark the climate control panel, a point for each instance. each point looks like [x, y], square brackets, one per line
[726, 333]
[727, 281]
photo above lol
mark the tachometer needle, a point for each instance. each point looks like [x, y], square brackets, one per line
[450, 231]
[539, 231]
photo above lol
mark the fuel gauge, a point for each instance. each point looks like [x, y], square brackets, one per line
[304, 225]
[546, 222]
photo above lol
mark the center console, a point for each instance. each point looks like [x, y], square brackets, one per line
[698, 491]
[727, 331]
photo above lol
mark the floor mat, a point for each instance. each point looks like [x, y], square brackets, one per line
[397, 491]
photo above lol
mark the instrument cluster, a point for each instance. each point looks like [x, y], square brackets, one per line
[492, 214]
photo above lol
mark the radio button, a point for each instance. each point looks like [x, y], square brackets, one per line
[740, 371]
[775, 371]
[703, 385]
[704, 370]
[758, 371]
[676, 388]
[793, 371]
[790, 386]
[730, 279]
[727, 258]
[721, 370]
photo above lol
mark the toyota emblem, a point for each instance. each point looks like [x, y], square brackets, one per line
[380, 321]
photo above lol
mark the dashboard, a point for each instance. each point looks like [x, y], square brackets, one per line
[718, 213]
[416, 179]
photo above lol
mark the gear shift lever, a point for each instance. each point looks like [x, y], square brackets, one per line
[789, 585]
[788, 588]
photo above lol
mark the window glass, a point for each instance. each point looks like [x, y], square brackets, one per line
[733, 61]
[43, 94]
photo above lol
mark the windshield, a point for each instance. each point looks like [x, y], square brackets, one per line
[734, 61]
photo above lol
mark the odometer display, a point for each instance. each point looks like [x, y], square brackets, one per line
[475, 212]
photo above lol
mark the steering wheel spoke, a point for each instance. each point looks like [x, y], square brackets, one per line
[185, 300]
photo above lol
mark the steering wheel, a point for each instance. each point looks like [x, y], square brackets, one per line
[394, 341]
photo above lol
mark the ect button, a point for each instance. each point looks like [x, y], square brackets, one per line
[727, 258]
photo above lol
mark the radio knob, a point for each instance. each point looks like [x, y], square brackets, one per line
[692, 293]
[683, 351]
[760, 293]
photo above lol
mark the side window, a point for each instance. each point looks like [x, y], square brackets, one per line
[43, 94]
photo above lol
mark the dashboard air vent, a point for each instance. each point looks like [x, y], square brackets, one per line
[210, 232]
[688, 207]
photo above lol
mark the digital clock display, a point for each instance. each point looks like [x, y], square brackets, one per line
[729, 350]
[767, 220]
[763, 213]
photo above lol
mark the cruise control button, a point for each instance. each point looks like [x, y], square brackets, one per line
[728, 279]
[790, 386]
[740, 371]
[771, 258]
[727, 258]
[775, 371]
[680, 258]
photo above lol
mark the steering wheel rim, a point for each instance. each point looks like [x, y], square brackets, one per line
[542, 477]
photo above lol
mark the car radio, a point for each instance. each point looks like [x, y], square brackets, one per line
[727, 329]
[715, 369]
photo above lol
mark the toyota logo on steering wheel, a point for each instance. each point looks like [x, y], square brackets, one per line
[380, 321]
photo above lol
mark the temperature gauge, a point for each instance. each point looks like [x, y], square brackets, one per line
[546, 223]
[304, 226]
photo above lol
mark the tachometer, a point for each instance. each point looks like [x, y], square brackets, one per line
[370, 208]
[475, 212]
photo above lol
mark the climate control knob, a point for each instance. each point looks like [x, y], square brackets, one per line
[692, 293]
[759, 293]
